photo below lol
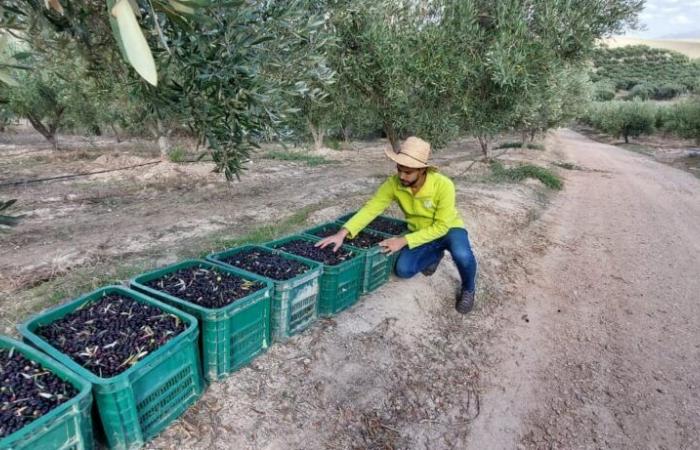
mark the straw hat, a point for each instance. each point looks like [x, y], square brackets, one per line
[414, 153]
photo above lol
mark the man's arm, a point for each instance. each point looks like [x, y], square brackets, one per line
[374, 207]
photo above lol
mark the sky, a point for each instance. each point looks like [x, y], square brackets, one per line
[668, 19]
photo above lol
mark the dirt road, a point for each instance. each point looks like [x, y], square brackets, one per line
[602, 347]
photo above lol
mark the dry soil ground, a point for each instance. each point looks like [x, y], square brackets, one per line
[602, 347]
[585, 333]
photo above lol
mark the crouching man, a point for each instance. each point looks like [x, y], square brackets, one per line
[427, 198]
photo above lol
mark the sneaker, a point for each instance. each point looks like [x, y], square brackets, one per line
[465, 302]
[428, 271]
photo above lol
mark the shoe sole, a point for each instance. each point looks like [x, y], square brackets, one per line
[463, 311]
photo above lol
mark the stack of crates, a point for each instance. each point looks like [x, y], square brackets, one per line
[134, 406]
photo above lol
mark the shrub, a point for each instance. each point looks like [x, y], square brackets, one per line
[661, 118]
[519, 173]
[620, 118]
[596, 113]
[668, 91]
[517, 144]
[647, 91]
[634, 119]
[683, 119]
[603, 91]
[643, 91]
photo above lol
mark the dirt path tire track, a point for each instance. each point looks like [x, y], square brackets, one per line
[602, 348]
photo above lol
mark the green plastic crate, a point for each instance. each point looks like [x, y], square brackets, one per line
[140, 402]
[230, 336]
[294, 303]
[377, 266]
[66, 427]
[340, 285]
[347, 217]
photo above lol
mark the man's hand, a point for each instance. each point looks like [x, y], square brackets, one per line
[336, 239]
[393, 245]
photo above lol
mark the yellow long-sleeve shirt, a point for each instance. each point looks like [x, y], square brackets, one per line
[430, 213]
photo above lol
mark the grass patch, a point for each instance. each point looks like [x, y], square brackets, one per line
[567, 165]
[310, 160]
[499, 173]
[335, 144]
[530, 145]
[177, 155]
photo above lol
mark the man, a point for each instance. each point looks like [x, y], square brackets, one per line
[427, 198]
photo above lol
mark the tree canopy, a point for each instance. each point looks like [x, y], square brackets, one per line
[234, 74]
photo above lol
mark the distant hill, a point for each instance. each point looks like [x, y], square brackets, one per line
[689, 47]
[644, 71]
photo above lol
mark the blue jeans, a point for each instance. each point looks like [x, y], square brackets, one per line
[456, 241]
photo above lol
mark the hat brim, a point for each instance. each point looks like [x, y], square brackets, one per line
[403, 159]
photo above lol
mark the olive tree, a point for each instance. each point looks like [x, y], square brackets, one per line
[683, 119]
[224, 70]
[233, 79]
[72, 73]
[509, 53]
[388, 54]
[622, 118]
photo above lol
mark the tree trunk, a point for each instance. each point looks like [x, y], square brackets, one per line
[346, 134]
[533, 133]
[317, 133]
[484, 143]
[163, 146]
[41, 128]
[627, 141]
[116, 133]
[392, 135]
[53, 126]
[523, 136]
[163, 142]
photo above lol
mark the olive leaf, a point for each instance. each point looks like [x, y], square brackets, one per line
[132, 41]
[55, 5]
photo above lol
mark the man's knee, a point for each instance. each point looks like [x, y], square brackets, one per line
[403, 269]
[459, 245]
[462, 254]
